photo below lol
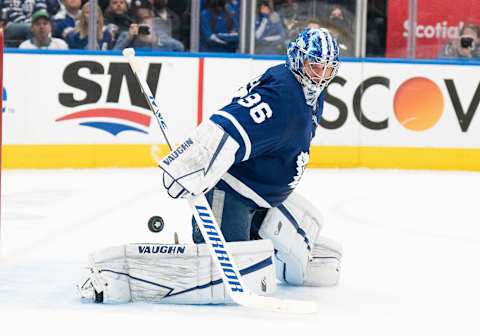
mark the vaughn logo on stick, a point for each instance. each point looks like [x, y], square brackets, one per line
[220, 251]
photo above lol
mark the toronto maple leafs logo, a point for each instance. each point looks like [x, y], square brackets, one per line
[302, 160]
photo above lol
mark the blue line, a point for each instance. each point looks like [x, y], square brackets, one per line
[237, 56]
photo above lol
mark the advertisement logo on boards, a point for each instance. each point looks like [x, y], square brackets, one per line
[92, 111]
[418, 104]
[5, 100]
[418, 112]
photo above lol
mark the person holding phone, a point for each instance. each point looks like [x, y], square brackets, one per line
[140, 34]
[116, 17]
[146, 33]
[467, 45]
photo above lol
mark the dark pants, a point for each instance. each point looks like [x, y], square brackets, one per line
[238, 221]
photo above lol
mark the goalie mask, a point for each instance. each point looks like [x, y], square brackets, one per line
[313, 58]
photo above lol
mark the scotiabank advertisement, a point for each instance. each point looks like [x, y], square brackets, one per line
[403, 105]
[438, 21]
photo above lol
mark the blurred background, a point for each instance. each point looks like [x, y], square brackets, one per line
[365, 28]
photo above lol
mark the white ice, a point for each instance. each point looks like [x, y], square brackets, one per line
[411, 255]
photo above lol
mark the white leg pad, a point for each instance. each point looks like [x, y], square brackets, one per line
[179, 274]
[303, 256]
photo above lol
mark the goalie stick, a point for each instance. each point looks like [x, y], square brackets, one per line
[212, 234]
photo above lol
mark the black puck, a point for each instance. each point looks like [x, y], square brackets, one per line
[155, 224]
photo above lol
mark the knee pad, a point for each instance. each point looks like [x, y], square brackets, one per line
[302, 256]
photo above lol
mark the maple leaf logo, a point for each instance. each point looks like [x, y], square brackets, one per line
[302, 160]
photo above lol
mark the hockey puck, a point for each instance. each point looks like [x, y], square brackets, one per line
[155, 224]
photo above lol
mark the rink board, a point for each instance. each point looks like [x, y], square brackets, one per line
[74, 110]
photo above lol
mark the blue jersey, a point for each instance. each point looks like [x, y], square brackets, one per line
[274, 127]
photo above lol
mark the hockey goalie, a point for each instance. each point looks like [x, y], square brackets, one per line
[247, 158]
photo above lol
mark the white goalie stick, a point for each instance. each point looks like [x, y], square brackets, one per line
[213, 236]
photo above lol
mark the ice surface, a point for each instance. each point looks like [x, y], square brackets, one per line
[411, 254]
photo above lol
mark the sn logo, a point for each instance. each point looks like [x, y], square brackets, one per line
[93, 90]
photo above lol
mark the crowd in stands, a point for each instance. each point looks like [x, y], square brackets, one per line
[63, 24]
[165, 26]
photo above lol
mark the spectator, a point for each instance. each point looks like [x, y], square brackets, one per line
[233, 6]
[149, 32]
[293, 15]
[136, 38]
[376, 28]
[167, 18]
[17, 15]
[41, 30]
[141, 9]
[167, 27]
[78, 38]
[348, 6]
[467, 45]
[183, 9]
[140, 35]
[66, 19]
[218, 32]
[53, 6]
[339, 19]
[269, 33]
[116, 17]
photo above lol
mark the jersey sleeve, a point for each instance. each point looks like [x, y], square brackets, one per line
[256, 119]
